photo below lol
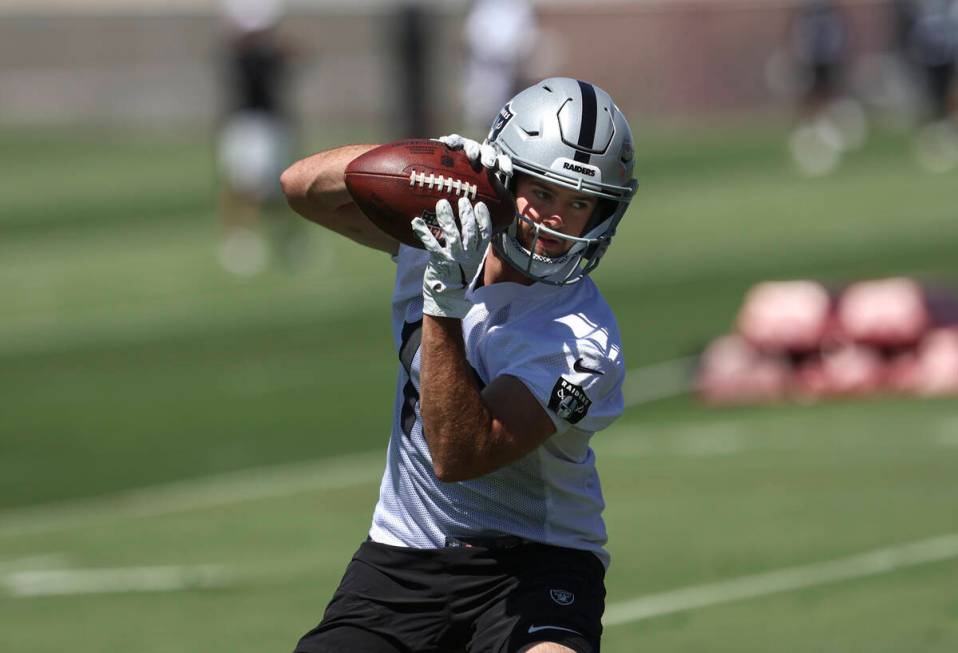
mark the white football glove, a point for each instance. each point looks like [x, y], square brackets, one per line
[490, 155]
[453, 264]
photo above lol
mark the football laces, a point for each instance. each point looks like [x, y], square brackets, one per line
[449, 185]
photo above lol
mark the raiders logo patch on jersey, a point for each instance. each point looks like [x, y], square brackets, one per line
[569, 401]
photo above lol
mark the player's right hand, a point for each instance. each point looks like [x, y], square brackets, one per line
[454, 262]
[489, 155]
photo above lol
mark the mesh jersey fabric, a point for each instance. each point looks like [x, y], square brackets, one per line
[563, 343]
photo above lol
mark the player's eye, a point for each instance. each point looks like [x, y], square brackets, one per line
[541, 194]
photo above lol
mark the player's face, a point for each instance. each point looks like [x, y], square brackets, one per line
[560, 209]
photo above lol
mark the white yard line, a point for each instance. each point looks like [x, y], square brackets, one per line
[59, 582]
[700, 439]
[948, 432]
[881, 561]
[337, 472]
[658, 381]
[353, 470]
[712, 440]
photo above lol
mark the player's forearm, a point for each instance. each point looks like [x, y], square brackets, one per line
[316, 186]
[456, 422]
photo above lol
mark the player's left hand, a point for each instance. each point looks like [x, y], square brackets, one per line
[454, 263]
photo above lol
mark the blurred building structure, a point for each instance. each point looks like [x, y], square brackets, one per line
[153, 61]
[499, 36]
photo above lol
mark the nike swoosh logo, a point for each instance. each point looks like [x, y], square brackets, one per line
[579, 367]
[535, 629]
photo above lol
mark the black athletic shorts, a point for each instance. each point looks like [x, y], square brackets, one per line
[480, 596]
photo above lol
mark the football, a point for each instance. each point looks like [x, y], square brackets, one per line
[396, 182]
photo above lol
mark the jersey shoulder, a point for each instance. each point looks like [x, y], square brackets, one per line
[569, 354]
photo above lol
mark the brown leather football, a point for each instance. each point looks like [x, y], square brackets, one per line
[394, 183]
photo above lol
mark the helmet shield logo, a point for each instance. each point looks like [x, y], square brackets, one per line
[502, 119]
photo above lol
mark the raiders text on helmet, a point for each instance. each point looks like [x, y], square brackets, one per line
[567, 132]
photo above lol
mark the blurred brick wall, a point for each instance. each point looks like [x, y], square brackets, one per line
[693, 57]
[667, 59]
[105, 68]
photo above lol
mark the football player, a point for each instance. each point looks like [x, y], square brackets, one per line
[488, 533]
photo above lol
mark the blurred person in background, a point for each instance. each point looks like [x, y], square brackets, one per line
[499, 36]
[255, 140]
[932, 46]
[410, 31]
[903, 20]
[818, 42]
[830, 121]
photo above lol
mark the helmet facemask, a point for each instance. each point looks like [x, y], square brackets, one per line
[579, 260]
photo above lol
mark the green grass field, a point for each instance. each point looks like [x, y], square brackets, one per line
[158, 413]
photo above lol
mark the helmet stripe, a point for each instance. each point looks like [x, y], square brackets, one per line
[587, 123]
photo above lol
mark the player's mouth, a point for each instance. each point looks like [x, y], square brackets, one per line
[542, 243]
[549, 246]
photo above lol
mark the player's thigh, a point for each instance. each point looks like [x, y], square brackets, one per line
[557, 596]
[347, 638]
[383, 604]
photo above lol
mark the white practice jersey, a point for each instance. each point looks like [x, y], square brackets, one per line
[562, 342]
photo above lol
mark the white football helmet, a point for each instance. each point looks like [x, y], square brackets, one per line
[566, 132]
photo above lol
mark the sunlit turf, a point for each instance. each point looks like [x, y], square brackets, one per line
[784, 487]
[129, 359]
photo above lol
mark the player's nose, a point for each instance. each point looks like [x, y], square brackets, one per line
[553, 221]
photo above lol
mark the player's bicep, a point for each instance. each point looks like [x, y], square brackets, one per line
[523, 423]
